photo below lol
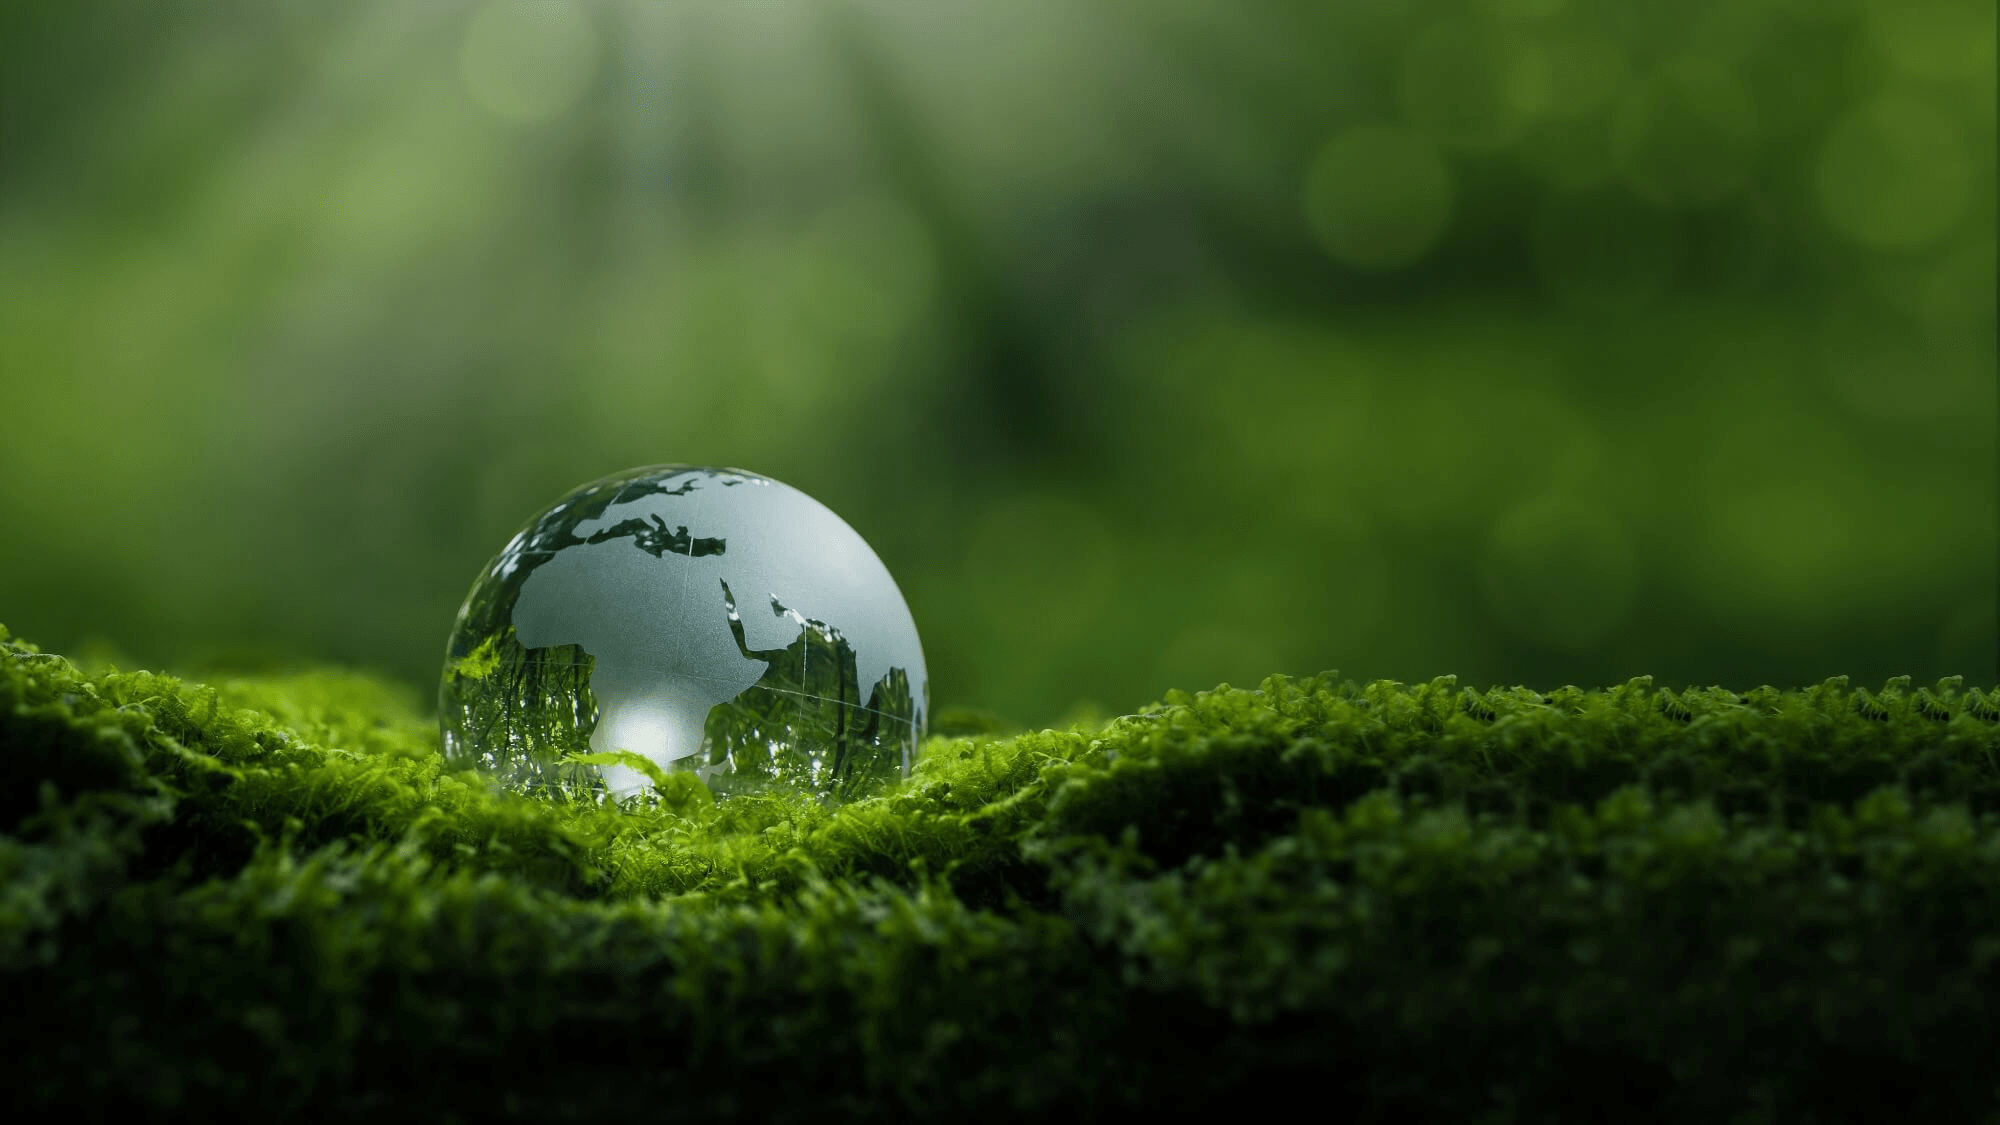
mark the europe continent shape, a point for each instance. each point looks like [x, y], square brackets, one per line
[712, 621]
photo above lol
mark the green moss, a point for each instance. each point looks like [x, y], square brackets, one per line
[1407, 901]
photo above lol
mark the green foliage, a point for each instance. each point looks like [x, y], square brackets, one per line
[1416, 901]
[1148, 343]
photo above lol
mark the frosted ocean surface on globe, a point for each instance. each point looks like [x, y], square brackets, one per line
[709, 620]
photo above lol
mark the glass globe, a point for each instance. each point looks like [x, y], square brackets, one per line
[707, 621]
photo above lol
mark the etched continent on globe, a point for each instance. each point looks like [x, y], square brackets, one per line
[711, 621]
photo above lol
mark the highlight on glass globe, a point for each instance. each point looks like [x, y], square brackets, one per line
[677, 619]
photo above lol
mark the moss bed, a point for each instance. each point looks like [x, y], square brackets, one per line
[1389, 902]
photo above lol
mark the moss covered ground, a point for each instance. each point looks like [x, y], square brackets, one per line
[1391, 902]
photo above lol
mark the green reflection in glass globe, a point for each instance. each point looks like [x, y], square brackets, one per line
[682, 620]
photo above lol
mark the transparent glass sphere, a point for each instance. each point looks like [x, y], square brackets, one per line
[710, 621]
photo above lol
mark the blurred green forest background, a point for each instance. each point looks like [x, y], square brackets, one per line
[1152, 343]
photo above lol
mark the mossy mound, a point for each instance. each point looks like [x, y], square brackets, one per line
[1391, 902]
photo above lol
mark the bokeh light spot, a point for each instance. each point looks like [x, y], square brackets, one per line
[1560, 571]
[1569, 142]
[1470, 87]
[528, 60]
[1893, 174]
[1787, 541]
[1783, 536]
[1937, 38]
[1378, 197]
